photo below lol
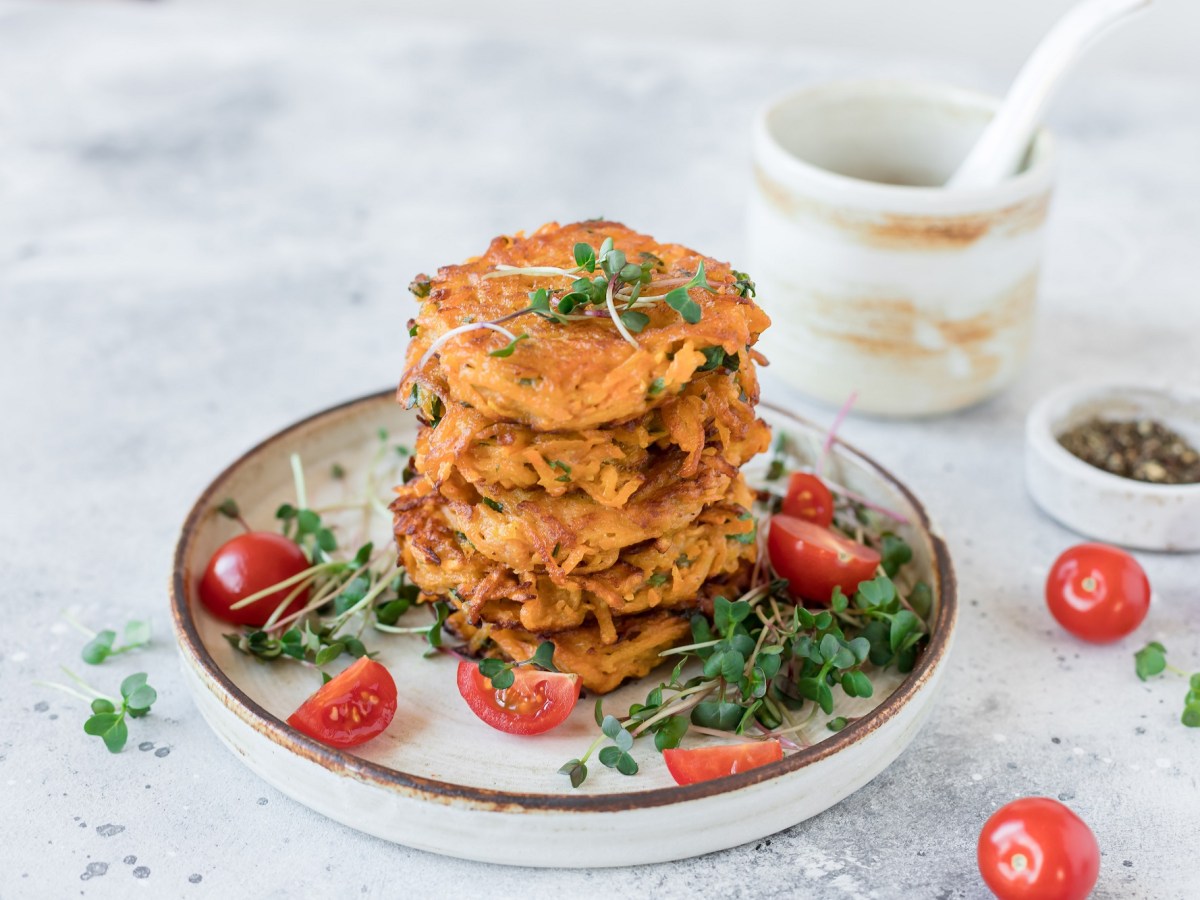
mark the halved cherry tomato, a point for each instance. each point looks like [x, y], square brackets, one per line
[1037, 849]
[354, 707]
[536, 702]
[707, 763]
[808, 498]
[246, 565]
[1097, 592]
[815, 560]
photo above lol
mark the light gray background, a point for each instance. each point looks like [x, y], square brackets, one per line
[207, 221]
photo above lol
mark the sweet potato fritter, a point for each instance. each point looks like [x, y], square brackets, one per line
[601, 667]
[583, 373]
[608, 464]
[711, 555]
[526, 531]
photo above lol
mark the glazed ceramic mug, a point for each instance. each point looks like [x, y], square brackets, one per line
[877, 279]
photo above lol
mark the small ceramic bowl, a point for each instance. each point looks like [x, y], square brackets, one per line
[1097, 503]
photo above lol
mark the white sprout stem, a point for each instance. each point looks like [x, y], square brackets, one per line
[79, 626]
[702, 691]
[612, 312]
[287, 601]
[74, 693]
[287, 582]
[532, 271]
[455, 332]
[298, 477]
[380, 586]
[392, 629]
[689, 647]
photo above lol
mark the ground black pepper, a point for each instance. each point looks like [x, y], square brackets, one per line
[1141, 449]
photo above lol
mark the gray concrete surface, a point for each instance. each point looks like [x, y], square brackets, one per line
[207, 223]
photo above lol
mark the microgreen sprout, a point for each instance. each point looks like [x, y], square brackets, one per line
[102, 644]
[1151, 660]
[603, 277]
[107, 720]
[230, 510]
[500, 673]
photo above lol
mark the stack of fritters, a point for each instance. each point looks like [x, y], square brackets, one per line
[577, 489]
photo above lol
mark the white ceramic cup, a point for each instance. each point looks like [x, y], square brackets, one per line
[877, 279]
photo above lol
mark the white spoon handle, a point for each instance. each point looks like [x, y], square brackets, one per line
[1003, 144]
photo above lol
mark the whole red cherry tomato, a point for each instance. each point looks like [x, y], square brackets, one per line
[1037, 849]
[808, 498]
[536, 702]
[1097, 592]
[246, 565]
[352, 708]
[815, 560]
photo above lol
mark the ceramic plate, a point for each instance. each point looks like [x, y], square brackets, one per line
[439, 779]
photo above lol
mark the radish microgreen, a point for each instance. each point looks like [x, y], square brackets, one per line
[500, 673]
[102, 645]
[107, 720]
[1151, 660]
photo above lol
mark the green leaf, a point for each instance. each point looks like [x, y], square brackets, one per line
[839, 601]
[921, 600]
[142, 698]
[585, 257]
[837, 724]
[490, 668]
[829, 647]
[635, 321]
[903, 624]
[285, 512]
[389, 613]
[99, 648]
[860, 647]
[1151, 660]
[325, 540]
[896, 553]
[656, 387]
[229, 508]
[713, 357]
[543, 657]
[624, 740]
[825, 697]
[732, 664]
[132, 683]
[609, 755]
[329, 653]
[100, 706]
[307, 522]
[503, 680]
[1191, 716]
[626, 764]
[687, 308]
[769, 663]
[877, 592]
[1194, 681]
[670, 732]
[575, 770]
[492, 504]
[100, 722]
[136, 633]
[857, 684]
[355, 647]
[351, 594]
[115, 738]
[719, 714]
[507, 349]
[611, 727]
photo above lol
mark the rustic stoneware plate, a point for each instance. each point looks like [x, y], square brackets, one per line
[439, 779]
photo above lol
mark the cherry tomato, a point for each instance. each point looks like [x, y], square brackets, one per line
[808, 498]
[815, 560]
[1037, 849]
[1097, 592]
[707, 763]
[246, 565]
[352, 708]
[536, 702]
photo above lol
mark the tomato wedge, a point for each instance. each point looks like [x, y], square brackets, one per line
[536, 702]
[808, 498]
[354, 707]
[707, 763]
[815, 560]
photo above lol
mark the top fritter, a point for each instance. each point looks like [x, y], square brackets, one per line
[575, 326]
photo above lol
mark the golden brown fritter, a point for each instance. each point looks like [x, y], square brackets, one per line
[579, 374]
[526, 531]
[711, 555]
[608, 464]
[601, 667]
